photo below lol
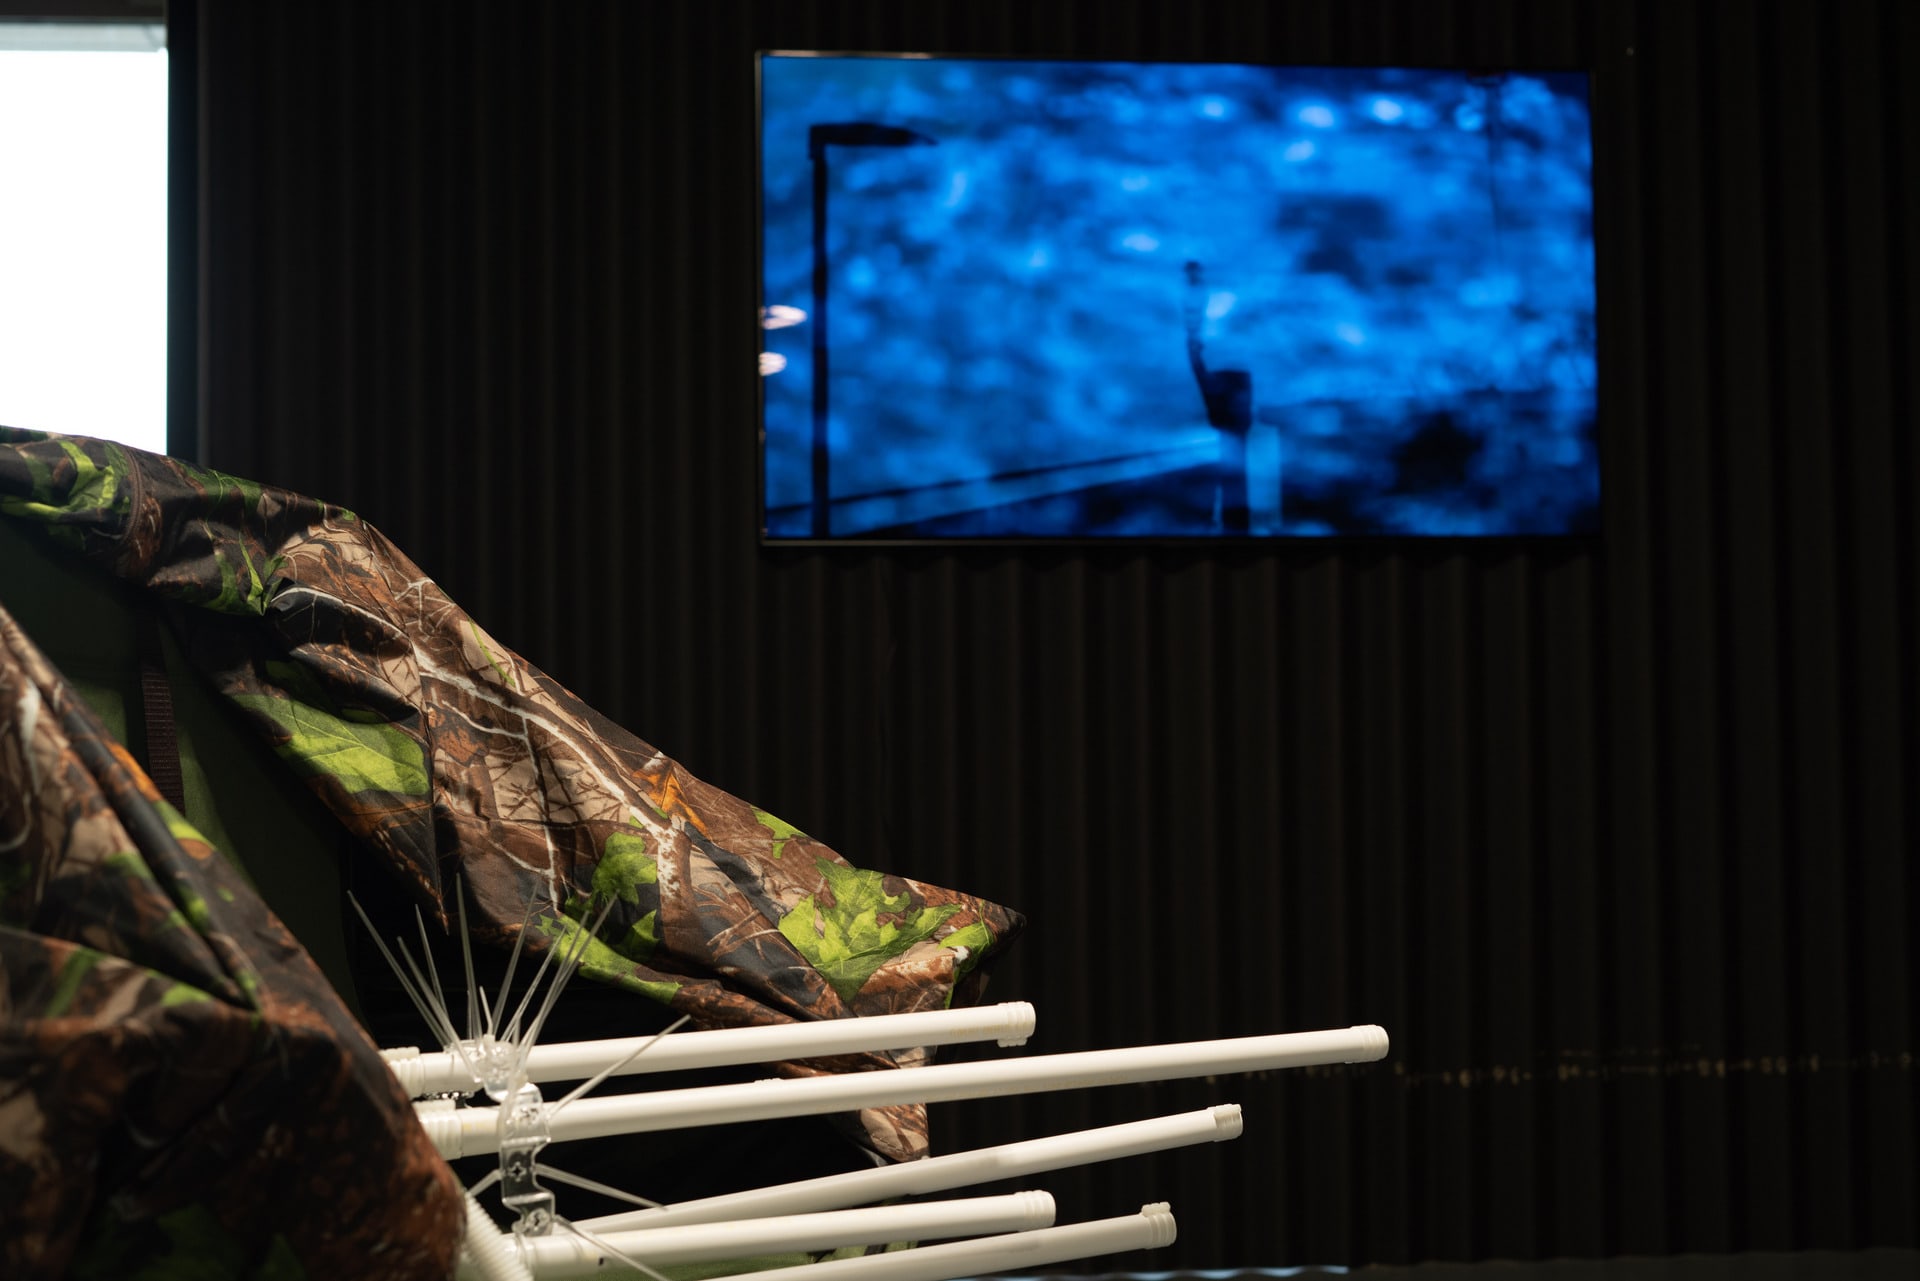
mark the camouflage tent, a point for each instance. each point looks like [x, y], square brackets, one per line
[171, 1059]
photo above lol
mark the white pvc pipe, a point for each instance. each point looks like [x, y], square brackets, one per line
[1008, 1024]
[943, 1173]
[1026, 1251]
[487, 1253]
[565, 1255]
[473, 1130]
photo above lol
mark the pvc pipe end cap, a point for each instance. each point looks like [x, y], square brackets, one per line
[1037, 1208]
[1374, 1043]
[1161, 1227]
[1020, 1018]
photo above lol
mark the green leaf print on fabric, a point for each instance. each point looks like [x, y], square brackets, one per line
[243, 597]
[847, 941]
[600, 962]
[624, 867]
[360, 757]
[225, 486]
[94, 488]
[67, 986]
[782, 830]
[976, 938]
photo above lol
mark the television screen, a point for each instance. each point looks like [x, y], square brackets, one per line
[1016, 299]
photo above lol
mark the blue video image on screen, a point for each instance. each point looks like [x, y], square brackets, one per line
[1089, 300]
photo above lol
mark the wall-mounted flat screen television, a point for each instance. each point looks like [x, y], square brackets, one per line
[1009, 299]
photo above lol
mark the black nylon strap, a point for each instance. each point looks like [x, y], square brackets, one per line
[163, 740]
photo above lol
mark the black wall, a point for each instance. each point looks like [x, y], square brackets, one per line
[1614, 839]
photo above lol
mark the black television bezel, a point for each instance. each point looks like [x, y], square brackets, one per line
[1272, 544]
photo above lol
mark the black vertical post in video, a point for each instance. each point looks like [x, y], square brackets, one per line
[1228, 396]
[819, 137]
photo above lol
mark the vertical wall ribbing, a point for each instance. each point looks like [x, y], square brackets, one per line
[1615, 838]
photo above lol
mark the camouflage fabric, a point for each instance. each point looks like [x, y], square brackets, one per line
[176, 1076]
[445, 752]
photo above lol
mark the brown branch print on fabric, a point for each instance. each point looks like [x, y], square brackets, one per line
[442, 750]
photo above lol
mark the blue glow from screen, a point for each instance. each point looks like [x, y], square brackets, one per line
[1118, 300]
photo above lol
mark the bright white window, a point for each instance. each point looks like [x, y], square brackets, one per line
[83, 230]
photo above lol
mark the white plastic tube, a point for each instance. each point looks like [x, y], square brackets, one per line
[487, 1253]
[943, 1173]
[1026, 1251]
[811, 1096]
[1008, 1024]
[566, 1255]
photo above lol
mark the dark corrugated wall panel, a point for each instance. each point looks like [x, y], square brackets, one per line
[1614, 838]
